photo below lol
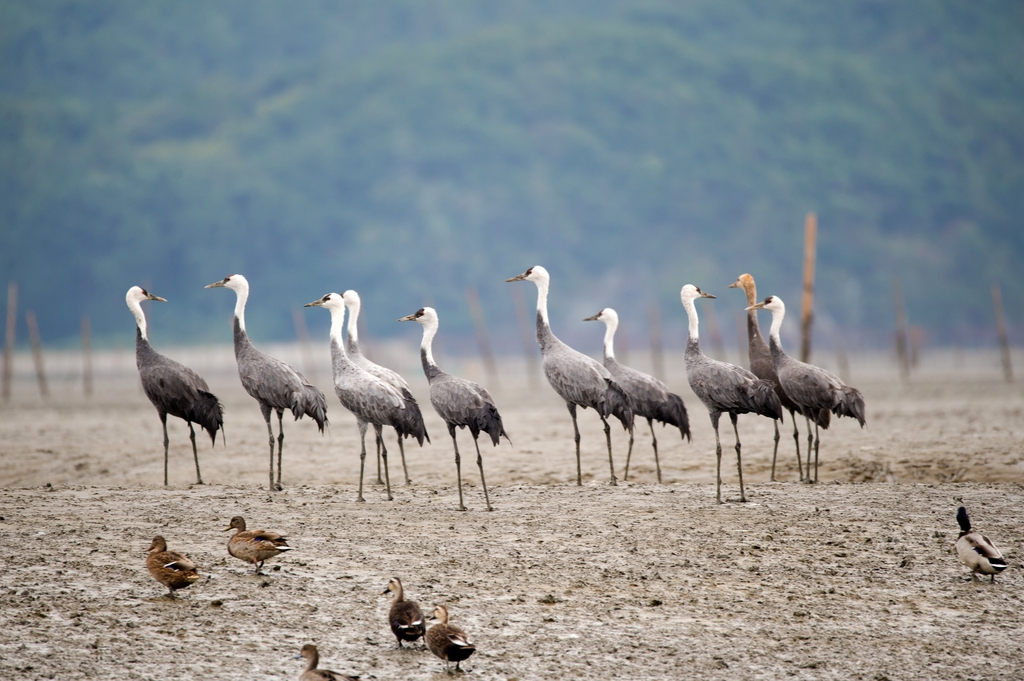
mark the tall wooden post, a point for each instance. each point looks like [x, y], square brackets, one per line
[37, 350]
[807, 309]
[302, 333]
[476, 311]
[86, 355]
[529, 348]
[901, 329]
[1004, 338]
[657, 357]
[12, 321]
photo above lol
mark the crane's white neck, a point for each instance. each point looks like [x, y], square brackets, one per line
[241, 295]
[691, 313]
[140, 318]
[542, 299]
[609, 337]
[354, 304]
[337, 324]
[429, 330]
[777, 317]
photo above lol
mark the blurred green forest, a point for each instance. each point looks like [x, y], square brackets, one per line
[413, 148]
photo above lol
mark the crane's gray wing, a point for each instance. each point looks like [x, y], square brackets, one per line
[577, 378]
[171, 383]
[645, 391]
[808, 385]
[383, 373]
[456, 400]
[721, 385]
[368, 397]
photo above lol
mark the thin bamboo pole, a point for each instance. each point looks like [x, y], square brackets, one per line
[37, 351]
[86, 355]
[9, 337]
[1004, 338]
[901, 329]
[483, 340]
[657, 355]
[807, 308]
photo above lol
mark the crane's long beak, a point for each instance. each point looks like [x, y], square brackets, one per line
[316, 303]
[592, 319]
[150, 296]
[755, 306]
[407, 318]
[736, 284]
[216, 284]
[518, 277]
[706, 295]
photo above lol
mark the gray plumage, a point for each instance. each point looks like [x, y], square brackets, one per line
[370, 399]
[817, 393]
[724, 388]
[649, 397]
[459, 402]
[275, 385]
[578, 379]
[173, 388]
[761, 365]
[353, 304]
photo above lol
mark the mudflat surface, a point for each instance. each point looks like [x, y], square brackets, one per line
[854, 577]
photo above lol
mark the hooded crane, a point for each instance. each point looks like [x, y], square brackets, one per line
[353, 304]
[578, 379]
[724, 387]
[761, 366]
[457, 401]
[271, 382]
[173, 388]
[817, 392]
[369, 398]
[649, 397]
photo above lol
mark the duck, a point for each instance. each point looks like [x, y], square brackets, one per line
[172, 569]
[254, 545]
[977, 551]
[405, 617]
[448, 641]
[312, 657]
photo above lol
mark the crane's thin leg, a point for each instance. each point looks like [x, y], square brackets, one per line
[608, 438]
[739, 464]
[480, 465]
[380, 480]
[270, 429]
[576, 430]
[796, 439]
[195, 452]
[458, 464]
[654, 443]
[816, 442]
[167, 442]
[362, 456]
[629, 455]
[718, 457]
[775, 452]
[280, 445]
[384, 455]
[401, 450]
[810, 445]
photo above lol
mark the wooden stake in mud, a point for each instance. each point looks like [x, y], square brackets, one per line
[714, 333]
[37, 350]
[529, 348]
[476, 311]
[302, 333]
[657, 358]
[86, 355]
[1004, 338]
[807, 309]
[901, 329]
[12, 320]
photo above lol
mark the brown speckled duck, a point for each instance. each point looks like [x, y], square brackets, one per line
[312, 658]
[170, 568]
[448, 641]
[254, 546]
[405, 617]
[977, 551]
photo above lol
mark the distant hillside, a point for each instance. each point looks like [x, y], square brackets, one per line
[411, 150]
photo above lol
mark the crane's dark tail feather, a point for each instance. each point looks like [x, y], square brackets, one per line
[851, 403]
[208, 412]
[763, 399]
[673, 411]
[411, 423]
[488, 420]
[312, 403]
[617, 403]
